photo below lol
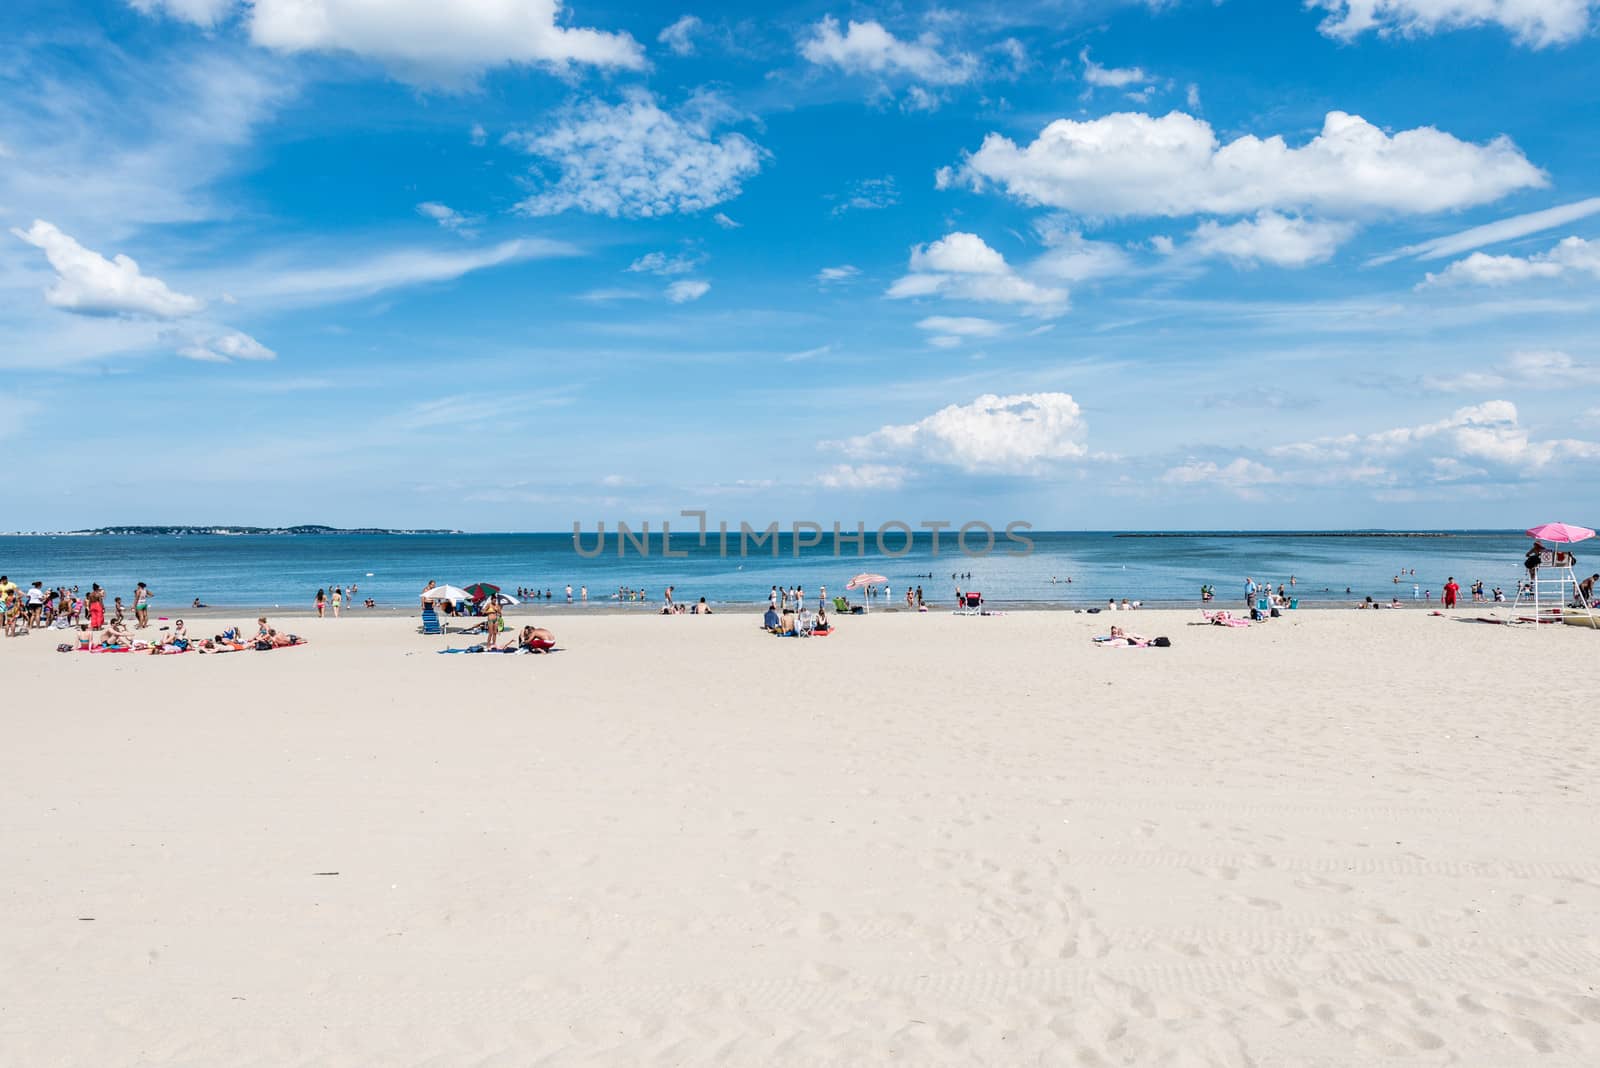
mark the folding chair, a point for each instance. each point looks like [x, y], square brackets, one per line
[973, 602]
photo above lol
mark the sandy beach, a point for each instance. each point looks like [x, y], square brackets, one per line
[1341, 838]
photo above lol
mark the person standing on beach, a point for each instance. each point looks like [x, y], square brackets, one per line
[97, 606]
[1249, 592]
[491, 622]
[321, 603]
[569, 593]
[1451, 591]
[141, 605]
[583, 594]
[338, 600]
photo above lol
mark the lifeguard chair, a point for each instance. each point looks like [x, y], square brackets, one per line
[1554, 592]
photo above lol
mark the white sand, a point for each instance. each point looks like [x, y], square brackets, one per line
[1344, 838]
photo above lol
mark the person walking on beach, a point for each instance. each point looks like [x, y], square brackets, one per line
[1451, 591]
[321, 603]
[141, 605]
[338, 600]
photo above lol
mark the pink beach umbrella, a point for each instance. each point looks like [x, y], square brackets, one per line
[1560, 532]
[863, 580]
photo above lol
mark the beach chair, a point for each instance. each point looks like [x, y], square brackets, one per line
[972, 603]
[430, 621]
[1294, 602]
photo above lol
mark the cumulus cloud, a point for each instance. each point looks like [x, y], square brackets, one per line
[1483, 442]
[1281, 240]
[863, 477]
[1492, 233]
[636, 160]
[689, 289]
[431, 41]
[1131, 164]
[1019, 433]
[679, 37]
[1488, 432]
[962, 266]
[1242, 476]
[868, 48]
[1111, 77]
[1535, 23]
[1572, 255]
[89, 284]
[662, 264]
[1535, 369]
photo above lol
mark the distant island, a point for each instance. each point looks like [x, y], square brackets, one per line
[304, 528]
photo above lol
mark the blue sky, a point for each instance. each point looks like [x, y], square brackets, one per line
[507, 264]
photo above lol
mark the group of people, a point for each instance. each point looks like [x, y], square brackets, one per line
[673, 607]
[117, 638]
[34, 607]
[794, 621]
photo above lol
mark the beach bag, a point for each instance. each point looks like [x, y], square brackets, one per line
[1276, 614]
[1162, 643]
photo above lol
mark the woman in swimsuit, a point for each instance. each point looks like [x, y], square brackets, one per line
[97, 607]
[141, 605]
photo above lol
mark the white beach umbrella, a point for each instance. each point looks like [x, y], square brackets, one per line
[446, 593]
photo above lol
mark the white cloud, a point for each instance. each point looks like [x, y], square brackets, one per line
[274, 281]
[1018, 433]
[1533, 369]
[962, 325]
[843, 273]
[1192, 97]
[1241, 476]
[1492, 233]
[1536, 23]
[428, 40]
[662, 264]
[203, 13]
[635, 160]
[1071, 257]
[89, 284]
[863, 477]
[961, 266]
[687, 290]
[726, 223]
[225, 348]
[1572, 255]
[1488, 432]
[478, 135]
[679, 37]
[869, 194]
[1111, 77]
[449, 218]
[1281, 240]
[868, 48]
[1130, 164]
[143, 142]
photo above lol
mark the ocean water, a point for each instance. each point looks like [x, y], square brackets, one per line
[286, 571]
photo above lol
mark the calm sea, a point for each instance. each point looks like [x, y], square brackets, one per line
[287, 570]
